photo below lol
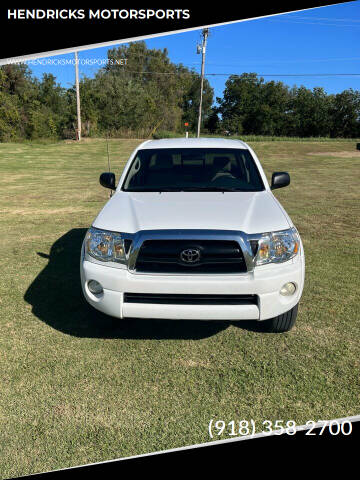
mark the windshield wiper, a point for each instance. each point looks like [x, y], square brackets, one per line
[210, 189]
[154, 189]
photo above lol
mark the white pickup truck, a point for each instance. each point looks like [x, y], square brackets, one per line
[193, 231]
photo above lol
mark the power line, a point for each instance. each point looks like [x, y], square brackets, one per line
[327, 18]
[291, 74]
[313, 23]
[272, 62]
[241, 61]
[239, 74]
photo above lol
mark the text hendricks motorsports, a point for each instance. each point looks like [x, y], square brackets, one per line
[100, 14]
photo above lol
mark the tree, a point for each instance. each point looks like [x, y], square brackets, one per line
[212, 123]
[10, 119]
[250, 106]
[345, 114]
[147, 93]
[16, 78]
[191, 99]
[151, 93]
[309, 114]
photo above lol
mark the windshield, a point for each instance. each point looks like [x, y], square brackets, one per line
[193, 169]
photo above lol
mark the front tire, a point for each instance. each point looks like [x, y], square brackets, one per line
[282, 323]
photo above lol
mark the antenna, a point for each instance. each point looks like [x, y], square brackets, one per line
[107, 150]
[108, 158]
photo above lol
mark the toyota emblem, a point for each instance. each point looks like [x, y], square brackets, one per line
[190, 255]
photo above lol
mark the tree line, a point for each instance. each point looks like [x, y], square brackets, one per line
[252, 106]
[152, 96]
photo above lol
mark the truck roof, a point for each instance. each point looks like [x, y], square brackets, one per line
[193, 143]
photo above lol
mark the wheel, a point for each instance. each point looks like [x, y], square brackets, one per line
[284, 322]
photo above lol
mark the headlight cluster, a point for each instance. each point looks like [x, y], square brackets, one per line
[277, 247]
[273, 247]
[105, 246]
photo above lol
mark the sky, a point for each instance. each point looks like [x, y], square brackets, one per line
[324, 40]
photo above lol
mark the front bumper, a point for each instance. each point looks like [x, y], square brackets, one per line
[265, 282]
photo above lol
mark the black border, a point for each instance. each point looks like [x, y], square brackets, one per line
[28, 37]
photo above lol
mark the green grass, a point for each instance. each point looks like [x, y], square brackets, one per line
[77, 387]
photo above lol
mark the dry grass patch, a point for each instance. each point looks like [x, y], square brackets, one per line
[343, 154]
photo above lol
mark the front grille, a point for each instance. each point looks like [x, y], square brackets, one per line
[216, 256]
[188, 299]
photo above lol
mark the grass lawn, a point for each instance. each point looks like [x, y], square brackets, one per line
[77, 387]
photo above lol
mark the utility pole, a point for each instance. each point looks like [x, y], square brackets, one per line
[202, 48]
[78, 113]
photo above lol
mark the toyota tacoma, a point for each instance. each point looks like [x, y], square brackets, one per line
[193, 231]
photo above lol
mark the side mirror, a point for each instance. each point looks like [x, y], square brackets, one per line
[107, 180]
[279, 180]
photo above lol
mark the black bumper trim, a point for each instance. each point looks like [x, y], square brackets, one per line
[189, 299]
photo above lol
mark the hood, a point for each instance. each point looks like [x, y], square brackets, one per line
[250, 212]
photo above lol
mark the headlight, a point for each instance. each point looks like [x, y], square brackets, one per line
[105, 246]
[277, 247]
